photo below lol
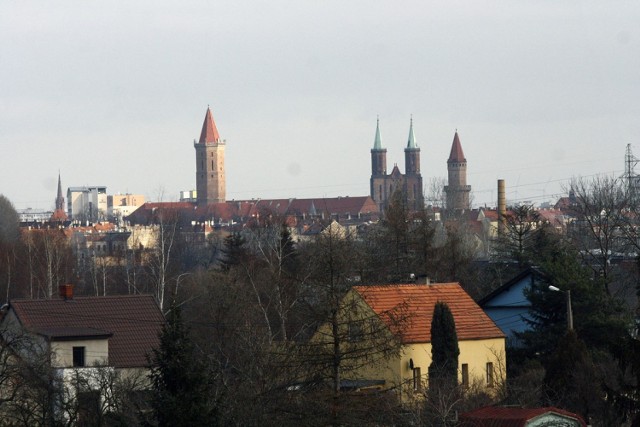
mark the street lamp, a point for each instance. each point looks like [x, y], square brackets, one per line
[569, 310]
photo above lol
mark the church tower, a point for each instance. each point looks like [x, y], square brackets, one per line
[457, 190]
[412, 178]
[378, 169]
[59, 214]
[210, 174]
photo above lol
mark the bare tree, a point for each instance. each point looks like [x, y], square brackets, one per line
[521, 223]
[602, 207]
[434, 192]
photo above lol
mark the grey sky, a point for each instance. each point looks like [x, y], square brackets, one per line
[113, 93]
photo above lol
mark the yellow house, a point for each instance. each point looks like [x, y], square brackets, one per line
[405, 311]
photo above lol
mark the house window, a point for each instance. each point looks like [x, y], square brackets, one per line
[490, 374]
[465, 375]
[417, 379]
[355, 332]
[78, 356]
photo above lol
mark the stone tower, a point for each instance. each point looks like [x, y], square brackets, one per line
[383, 185]
[378, 169]
[210, 174]
[457, 190]
[412, 178]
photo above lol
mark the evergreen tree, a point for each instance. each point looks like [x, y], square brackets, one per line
[233, 252]
[443, 370]
[181, 394]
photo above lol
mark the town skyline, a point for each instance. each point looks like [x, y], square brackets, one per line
[538, 94]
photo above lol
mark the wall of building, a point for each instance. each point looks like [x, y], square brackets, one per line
[96, 352]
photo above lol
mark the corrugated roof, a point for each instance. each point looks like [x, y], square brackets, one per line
[471, 322]
[134, 320]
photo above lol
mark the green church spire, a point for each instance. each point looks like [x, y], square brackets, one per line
[377, 143]
[412, 137]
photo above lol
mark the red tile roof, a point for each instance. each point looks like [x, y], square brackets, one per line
[244, 209]
[491, 214]
[471, 322]
[456, 154]
[209, 130]
[495, 416]
[134, 321]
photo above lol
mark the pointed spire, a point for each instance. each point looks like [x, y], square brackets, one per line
[209, 131]
[377, 143]
[59, 198]
[412, 138]
[456, 155]
[59, 213]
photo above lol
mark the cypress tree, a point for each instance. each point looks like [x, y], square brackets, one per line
[443, 370]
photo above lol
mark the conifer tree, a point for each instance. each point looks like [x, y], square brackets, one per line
[181, 394]
[233, 252]
[443, 370]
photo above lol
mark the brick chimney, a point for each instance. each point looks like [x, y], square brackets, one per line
[66, 291]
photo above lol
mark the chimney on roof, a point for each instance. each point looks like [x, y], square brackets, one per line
[66, 292]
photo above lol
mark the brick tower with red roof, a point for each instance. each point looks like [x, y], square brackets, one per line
[457, 190]
[210, 173]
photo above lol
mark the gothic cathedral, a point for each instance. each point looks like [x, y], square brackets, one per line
[383, 185]
[210, 174]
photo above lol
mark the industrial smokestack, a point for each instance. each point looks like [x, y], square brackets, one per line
[502, 206]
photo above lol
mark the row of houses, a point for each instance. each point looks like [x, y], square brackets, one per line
[119, 332]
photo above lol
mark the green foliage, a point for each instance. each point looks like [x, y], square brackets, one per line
[598, 318]
[181, 386]
[444, 347]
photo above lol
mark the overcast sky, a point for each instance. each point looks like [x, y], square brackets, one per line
[114, 93]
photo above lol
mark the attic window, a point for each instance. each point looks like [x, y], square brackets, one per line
[78, 357]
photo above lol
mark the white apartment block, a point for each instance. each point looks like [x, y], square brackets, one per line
[87, 203]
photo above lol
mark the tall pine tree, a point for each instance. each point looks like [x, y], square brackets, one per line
[182, 395]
